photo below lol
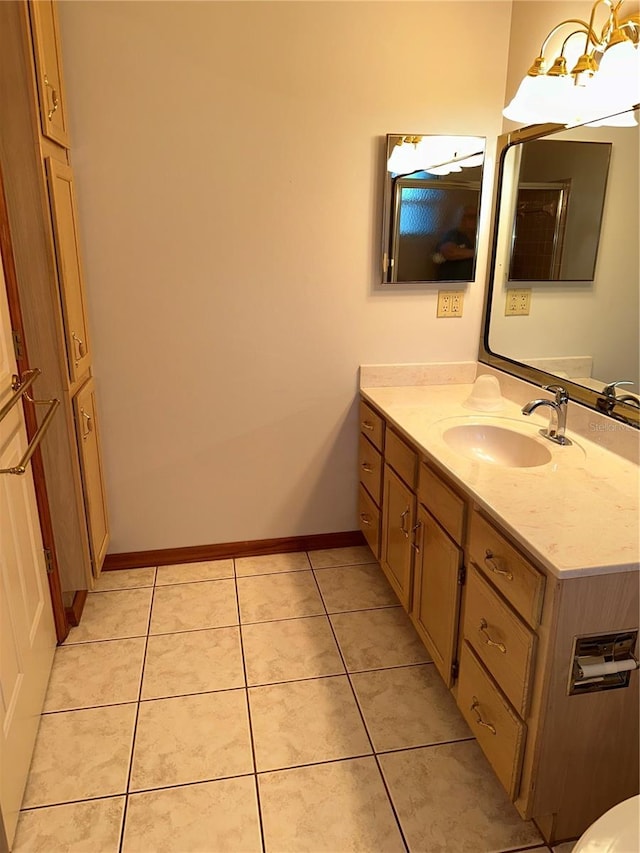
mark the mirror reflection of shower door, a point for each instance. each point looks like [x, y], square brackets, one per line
[539, 231]
[423, 211]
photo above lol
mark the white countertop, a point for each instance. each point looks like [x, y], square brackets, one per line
[576, 515]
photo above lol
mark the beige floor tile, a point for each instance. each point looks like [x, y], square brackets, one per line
[448, 800]
[81, 754]
[193, 662]
[190, 606]
[328, 808]
[565, 847]
[373, 639]
[125, 579]
[90, 674]
[270, 563]
[191, 739]
[278, 596]
[303, 722]
[210, 570]
[113, 616]
[408, 706]
[213, 816]
[290, 650]
[331, 557]
[355, 588]
[73, 828]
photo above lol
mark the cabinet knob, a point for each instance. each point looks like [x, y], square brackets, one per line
[368, 425]
[366, 467]
[365, 519]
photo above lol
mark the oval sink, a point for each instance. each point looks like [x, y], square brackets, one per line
[497, 445]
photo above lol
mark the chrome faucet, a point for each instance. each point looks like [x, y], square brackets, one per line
[558, 421]
[610, 398]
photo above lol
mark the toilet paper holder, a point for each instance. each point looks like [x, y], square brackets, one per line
[603, 662]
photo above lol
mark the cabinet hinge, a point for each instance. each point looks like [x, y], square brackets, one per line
[48, 561]
[17, 344]
[454, 670]
[462, 575]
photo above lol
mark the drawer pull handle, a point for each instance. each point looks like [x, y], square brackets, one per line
[414, 530]
[87, 422]
[81, 350]
[491, 564]
[403, 518]
[368, 425]
[483, 627]
[479, 720]
[366, 467]
[54, 98]
[365, 519]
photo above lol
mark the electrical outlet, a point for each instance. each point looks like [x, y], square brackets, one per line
[518, 302]
[450, 303]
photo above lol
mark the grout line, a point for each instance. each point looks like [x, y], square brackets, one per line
[135, 722]
[121, 795]
[249, 720]
[366, 729]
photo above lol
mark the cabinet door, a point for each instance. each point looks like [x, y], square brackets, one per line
[44, 27]
[65, 233]
[398, 522]
[92, 477]
[436, 593]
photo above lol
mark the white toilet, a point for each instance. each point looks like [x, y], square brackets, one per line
[617, 831]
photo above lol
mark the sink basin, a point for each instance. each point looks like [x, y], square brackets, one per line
[497, 445]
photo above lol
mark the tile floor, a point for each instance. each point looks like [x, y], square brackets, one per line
[278, 703]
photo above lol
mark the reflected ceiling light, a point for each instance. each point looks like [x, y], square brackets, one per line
[437, 155]
[604, 79]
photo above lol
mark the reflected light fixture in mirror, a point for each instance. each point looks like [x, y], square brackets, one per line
[438, 155]
[604, 79]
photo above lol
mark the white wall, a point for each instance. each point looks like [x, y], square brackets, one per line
[228, 171]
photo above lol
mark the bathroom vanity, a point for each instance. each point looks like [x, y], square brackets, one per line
[514, 574]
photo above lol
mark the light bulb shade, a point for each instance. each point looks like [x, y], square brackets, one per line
[542, 99]
[618, 79]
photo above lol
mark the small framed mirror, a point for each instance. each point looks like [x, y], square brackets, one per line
[431, 208]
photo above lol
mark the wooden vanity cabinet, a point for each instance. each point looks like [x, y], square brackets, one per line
[500, 630]
[48, 71]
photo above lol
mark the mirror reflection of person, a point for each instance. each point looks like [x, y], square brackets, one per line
[457, 248]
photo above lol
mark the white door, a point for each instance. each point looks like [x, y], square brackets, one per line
[27, 633]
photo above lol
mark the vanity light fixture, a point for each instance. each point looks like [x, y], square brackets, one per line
[438, 155]
[604, 79]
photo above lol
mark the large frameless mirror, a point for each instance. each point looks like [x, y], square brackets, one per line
[565, 249]
[431, 208]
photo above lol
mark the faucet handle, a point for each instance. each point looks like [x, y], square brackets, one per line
[610, 389]
[561, 393]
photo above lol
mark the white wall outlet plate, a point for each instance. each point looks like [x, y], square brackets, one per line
[518, 302]
[450, 303]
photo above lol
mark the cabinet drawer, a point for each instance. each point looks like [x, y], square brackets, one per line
[369, 517]
[510, 572]
[371, 425]
[442, 502]
[402, 458]
[501, 640]
[370, 469]
[499, 732]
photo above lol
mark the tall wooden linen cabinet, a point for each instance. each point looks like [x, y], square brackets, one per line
[43, 220]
